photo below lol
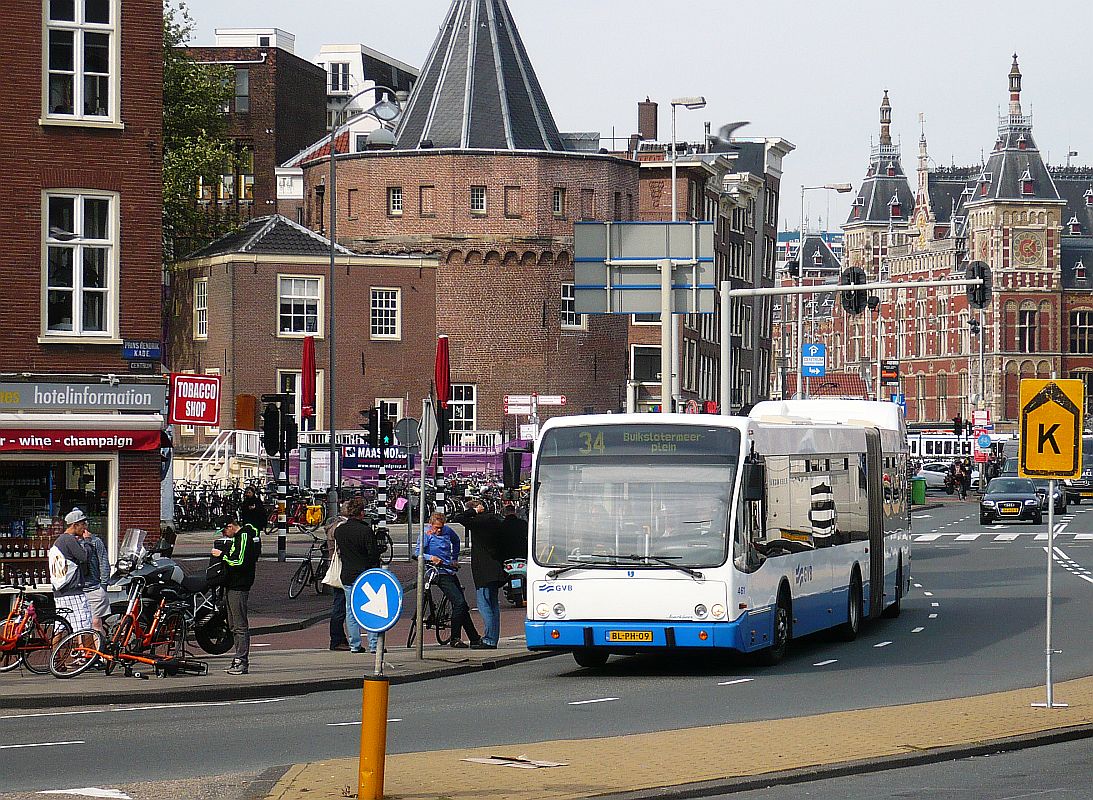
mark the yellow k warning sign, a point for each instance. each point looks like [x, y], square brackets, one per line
[1051, 429]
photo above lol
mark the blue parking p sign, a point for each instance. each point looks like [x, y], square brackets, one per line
[376, 600]
[813, 360]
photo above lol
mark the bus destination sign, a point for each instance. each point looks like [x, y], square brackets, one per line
[640, 440]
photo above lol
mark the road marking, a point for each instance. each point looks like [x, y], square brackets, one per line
[882, 644]
[342, 724]
[825, 663]
[144, 708]
[91, 791]
[918, 585]
[927, 537]
[935, 605]
[917, 630]
[261, 644]
[920, 516]
[597, 700]
[39, 744]
[967, 537]
[997, 527]
[1006, 537]
[1084, 536]
[736, 681]
[928, 594]
[933, 616]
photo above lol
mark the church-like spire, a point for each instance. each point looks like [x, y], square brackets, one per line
[1015, 88]
[478, 89]
[885, 120]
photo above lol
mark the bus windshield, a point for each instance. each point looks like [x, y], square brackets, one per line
[635, 495]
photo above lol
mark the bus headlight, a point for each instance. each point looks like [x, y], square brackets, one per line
[700, 611]
[542, 610]
[718, 610]
[559, 610]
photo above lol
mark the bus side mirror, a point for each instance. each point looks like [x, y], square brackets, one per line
[754, 480]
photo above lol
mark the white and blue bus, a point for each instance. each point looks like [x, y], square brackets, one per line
[693, 531]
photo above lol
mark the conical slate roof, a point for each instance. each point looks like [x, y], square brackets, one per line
[885, 187]
[478, 89]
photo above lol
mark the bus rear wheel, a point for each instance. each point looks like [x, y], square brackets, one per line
[590, 659]
[782, 633]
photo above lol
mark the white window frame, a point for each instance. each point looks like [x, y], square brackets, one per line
[78, 28]
[320, 310]
[201, 309]
[77, 244]
[569, 319]
[320, 396]
[338, 77]
[1028, 330]
[391, 408]
[479, 192]
[644, 322]
[395, 200]
[557, 201]
[396, 295]
[464, 395]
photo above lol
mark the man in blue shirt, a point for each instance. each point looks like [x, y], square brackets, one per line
[441, 547]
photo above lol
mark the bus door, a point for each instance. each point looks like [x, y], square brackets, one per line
[875, 479]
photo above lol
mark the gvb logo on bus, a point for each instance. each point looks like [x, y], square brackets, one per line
[195, 400]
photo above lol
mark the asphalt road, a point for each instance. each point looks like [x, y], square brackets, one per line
[974, 623]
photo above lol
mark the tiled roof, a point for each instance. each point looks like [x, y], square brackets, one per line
[1075, 185]
[478, 88]
[847, 385]
[272, 235]
[1077, 262]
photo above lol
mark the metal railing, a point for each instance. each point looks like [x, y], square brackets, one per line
[218, 455]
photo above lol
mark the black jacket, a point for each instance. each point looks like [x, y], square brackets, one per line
[516, 536]
[487, 546]
[357, 549]
[241, 558]
[253, 512]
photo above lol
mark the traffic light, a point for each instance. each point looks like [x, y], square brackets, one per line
[271, 428]
[374, 427]
[854, 301]
[793, 269]
[968, 428]
[979, 296]
[974, 325]
[387, 430]
[958, 425]
[291, 433]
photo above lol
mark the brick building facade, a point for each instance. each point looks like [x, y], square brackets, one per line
[81, 149]
[278, 109]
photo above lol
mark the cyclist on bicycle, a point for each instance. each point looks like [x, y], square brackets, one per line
[441, 547]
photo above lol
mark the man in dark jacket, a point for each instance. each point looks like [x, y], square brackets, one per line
[359, 552]
[241, 559]
[514, 531]
[487, 566]
[253, 510]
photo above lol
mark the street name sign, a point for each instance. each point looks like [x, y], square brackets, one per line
[518, 404]
[813, 360]
[376, 600]
[550, 399]
[1051, 429]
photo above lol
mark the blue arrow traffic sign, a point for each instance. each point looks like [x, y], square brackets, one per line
[376, 600]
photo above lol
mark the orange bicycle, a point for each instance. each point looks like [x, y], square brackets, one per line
[27, 635]
[136, 640]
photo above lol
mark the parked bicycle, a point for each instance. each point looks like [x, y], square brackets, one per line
[27, 635]
[436, 611]
[312, 569]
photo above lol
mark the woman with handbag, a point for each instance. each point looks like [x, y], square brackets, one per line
[333, 579]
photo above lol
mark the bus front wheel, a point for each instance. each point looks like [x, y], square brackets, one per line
[590, 659]
[782, 633]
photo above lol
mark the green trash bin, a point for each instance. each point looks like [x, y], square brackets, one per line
[918, 491]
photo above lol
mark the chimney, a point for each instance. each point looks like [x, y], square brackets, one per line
[635, 140]
[647, 120]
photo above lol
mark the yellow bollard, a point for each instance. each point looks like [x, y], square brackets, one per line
[373, 737]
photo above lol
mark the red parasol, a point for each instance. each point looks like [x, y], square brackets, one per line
[442, 373]
[307, 380]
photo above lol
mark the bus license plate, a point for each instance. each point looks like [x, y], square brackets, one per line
[629, 636]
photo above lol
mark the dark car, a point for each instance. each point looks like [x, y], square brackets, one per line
[1061, 499]
[1011, 499]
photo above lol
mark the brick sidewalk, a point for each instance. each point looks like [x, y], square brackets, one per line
[721, 753]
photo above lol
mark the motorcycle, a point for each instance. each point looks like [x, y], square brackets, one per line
[516, 573]
[205, 606]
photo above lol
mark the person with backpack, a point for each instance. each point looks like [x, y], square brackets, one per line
[68, 569]
[241, 560]
[359, 552]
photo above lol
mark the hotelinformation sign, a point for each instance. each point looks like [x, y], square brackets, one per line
[43, 396]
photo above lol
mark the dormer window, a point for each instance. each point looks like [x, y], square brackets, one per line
[891, 169]
[1089, 196]
[998, 144]
[817, 259]
[1079, 271]
[1027, 186]
[895, 209]
[1022, 142]
[1075, 227]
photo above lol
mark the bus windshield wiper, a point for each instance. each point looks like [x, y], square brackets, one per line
[667, 562]
[569, 565]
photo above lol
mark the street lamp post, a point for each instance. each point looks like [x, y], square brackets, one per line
[385, 111]
[841, 188]
[667, 404]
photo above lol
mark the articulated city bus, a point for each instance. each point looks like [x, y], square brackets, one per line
[693, 531]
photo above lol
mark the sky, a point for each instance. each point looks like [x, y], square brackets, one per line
[810, 72]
